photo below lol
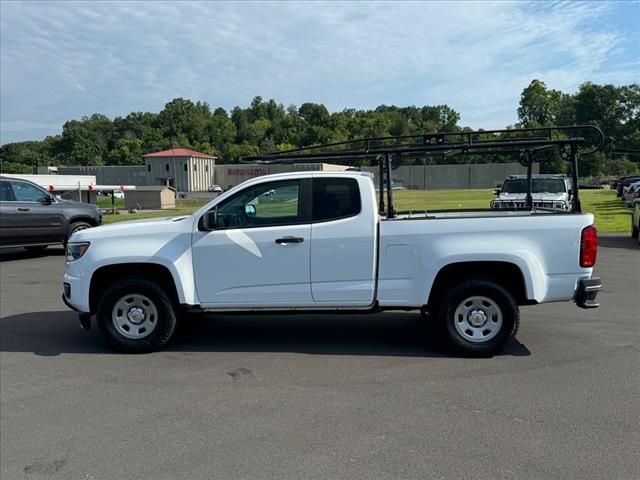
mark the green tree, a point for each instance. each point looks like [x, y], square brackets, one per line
[539, 106]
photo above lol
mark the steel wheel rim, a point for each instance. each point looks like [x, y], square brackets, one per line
[478, 319]
[134, 316]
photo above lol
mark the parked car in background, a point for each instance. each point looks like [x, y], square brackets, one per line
[616, 182]
[623, 184]
[548, 191]
[215, 188]
[33, 218]
[635, 220]
[631, 193]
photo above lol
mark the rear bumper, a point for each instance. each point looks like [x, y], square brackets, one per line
[587, 291]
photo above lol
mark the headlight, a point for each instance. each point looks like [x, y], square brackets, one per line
[76, 250]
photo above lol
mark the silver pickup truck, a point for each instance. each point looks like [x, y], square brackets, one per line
[549, 191]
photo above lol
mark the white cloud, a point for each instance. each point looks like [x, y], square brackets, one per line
[64, 60]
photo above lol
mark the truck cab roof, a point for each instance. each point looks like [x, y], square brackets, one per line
[538, 175]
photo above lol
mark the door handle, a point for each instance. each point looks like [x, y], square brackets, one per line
[23, 209]
[285, 240]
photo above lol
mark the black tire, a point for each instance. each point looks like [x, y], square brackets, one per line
[36, 249]
[75, 227]
[165, 321]
[634, 231]
[460, 330]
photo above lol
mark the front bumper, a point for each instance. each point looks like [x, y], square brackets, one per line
[555, 205]
[76, 282]
[85, 318]
[587, 291]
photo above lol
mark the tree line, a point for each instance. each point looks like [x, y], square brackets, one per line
[266, 126]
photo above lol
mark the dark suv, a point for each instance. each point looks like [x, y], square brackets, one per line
[33, 218]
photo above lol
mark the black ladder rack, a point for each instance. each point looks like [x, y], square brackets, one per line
[530, 143]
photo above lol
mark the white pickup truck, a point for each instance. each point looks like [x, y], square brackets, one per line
[315, 242]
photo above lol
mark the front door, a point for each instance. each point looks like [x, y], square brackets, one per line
[258, 255]
[37, 218]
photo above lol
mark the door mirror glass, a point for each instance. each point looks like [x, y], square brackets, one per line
[210, 219]
[250, 210]
[47, 200]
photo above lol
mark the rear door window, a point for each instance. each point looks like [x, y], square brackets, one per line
[6, 193]
[335, 198]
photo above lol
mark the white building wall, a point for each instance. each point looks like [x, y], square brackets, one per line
[195, 178]
[201, 173]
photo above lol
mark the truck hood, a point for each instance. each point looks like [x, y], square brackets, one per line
[75, 204]
[123, 230]
[536, 196]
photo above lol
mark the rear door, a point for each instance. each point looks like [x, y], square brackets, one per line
[343, 241]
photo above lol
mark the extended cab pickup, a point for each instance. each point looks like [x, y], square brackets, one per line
[313, 242]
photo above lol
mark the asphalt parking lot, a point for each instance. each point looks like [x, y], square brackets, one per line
[320, 397]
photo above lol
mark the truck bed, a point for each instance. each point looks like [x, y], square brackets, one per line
[545, 246]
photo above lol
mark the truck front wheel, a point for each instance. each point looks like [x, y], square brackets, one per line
[479, 316]
[136, 316]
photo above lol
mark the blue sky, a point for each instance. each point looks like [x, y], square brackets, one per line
[60, 61]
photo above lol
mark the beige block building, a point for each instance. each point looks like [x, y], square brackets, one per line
[183, 169]
[150, 198]
[231, 175]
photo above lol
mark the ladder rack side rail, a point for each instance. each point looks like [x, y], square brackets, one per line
[355, 155]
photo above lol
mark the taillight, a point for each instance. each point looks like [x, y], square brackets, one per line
[588, 247]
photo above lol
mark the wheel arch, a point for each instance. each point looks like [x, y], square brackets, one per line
[506, 274]
[155, 272]
[83, 218]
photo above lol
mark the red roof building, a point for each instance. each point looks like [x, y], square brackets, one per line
[181, 168]
[179, 152]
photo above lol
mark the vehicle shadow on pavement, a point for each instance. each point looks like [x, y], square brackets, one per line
[618, 241]
[386, 334]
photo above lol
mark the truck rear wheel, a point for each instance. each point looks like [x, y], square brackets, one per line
[136, 316]
[479, 317]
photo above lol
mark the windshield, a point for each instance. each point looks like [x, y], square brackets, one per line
[540, 185]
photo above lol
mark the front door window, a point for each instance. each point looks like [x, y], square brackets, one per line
[269, 204]
[24, 192]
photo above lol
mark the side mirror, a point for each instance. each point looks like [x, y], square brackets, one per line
[571, 191]
[48, 199]
[250, 210]
[496, 191]
[210, 219]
